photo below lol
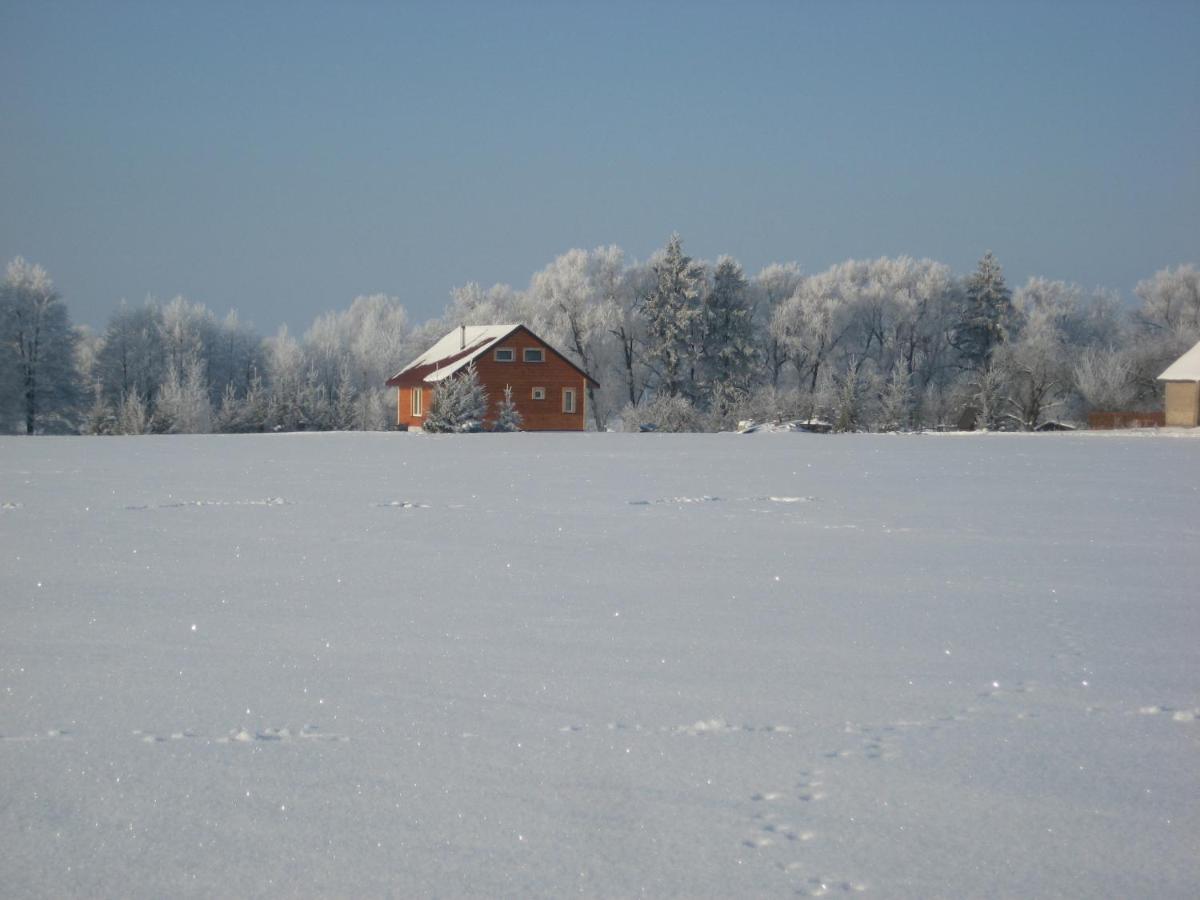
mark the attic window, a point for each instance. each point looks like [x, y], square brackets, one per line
[539, 393]
[535, 354]
[505, 354]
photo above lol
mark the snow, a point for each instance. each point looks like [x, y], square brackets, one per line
[600, 664]
[478, 337]
[1186, 368]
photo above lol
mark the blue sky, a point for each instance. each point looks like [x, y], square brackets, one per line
[282, 158]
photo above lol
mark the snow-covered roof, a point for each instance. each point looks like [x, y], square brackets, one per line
[1186, 368]
[457, 349]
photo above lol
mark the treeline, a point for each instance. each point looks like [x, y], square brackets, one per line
[675, 344]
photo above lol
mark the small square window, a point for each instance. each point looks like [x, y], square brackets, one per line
[535, 354]
[505, 354]
[539, 393]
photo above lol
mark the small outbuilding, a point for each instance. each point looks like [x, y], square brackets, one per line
[548, 389]
[1182, 380]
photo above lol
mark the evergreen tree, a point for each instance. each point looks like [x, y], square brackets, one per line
[132, 417]
[38, 378]
[895, 403]
[508, 417]
[987, 313]
[672, 313]
[730, 353]
[459, 403]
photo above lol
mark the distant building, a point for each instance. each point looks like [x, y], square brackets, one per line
[1182, 379]
[548, 389]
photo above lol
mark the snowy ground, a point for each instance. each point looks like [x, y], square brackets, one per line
[519, 665]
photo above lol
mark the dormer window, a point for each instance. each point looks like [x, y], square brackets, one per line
[505, 354]
[535, 354]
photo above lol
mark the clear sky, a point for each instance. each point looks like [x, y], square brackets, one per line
[281, 159]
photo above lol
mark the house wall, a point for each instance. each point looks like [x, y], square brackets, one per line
[1183, 403]
[404, 414]
[554, 375]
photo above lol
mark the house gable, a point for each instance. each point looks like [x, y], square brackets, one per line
[549, 394]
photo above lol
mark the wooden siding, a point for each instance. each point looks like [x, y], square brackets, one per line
[554, 374]
[1105, 421]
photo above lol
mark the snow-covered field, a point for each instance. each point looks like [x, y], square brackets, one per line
[611, 665]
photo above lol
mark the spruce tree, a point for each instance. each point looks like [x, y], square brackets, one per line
[672, 313]
[730, 354]
[508, 417]
[459, 403]
[987, 313]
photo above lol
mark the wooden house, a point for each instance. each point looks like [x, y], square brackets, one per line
[1182, 380]
[548, 389]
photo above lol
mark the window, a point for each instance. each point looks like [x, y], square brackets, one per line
[416, 401]
[535, 354]
[568, 400]
[505, 354]
[539, 394]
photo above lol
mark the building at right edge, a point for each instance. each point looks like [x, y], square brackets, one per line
[1182, 380]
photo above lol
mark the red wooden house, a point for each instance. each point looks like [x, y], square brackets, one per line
[548, 389]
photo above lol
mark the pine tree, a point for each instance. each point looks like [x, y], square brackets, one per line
[672, 312]
[987, 313]
[508, 417]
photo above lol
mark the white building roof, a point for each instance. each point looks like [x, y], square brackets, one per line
[470, 341]
[1186, 368]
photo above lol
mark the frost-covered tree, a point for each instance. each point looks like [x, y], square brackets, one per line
[895, 400]
[663, 412]
[730, 353]
[629, 329]
[286, 378]
[1036, 375]
[508, 417]
[459, 403]
[987, 386]
[987, 313]
[39, 384]
[1105, 379]
[812, 324]
[132, 416]
[672, 313]
[573, 303]
[851, 389]
[769, 289]
[182, 405]
[1171, 302]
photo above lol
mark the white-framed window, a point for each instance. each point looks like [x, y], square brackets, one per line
[534, 354]
[539, 393]
[504, 354]
[416, 401]
[568, 400]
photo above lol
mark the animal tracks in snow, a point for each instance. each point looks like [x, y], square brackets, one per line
[695, 729]
[245, 736]
[707, 498]
[183, 504]
[1177, 715]
[51, 734]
